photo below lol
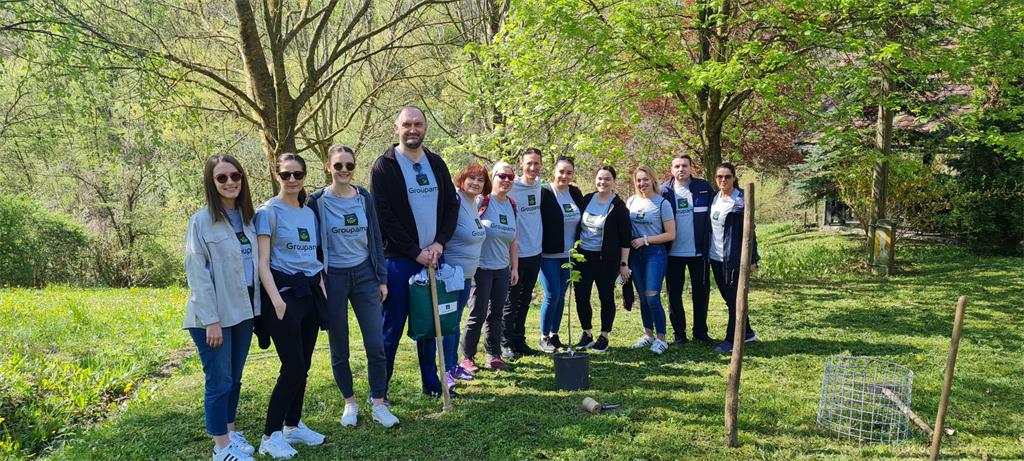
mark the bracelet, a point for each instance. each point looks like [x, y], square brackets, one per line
[646, 242]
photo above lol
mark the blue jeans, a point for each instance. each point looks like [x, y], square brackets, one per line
[555, 281]
[648, 265]
[451, 342]
[396, 312]
[223, 369]
[360, 286]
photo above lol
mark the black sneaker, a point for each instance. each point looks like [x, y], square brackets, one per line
[601, 345]
[555, 342]
[546, 346]
[524, 349]
[680, 340]
[508, 354]
[437, 393]
[586, 340]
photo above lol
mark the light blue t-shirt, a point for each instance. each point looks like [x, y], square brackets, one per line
[647, 217]
[684, 244]
[571, 219]
[530, 227]
[499, 221]
[421, 187]
[592, 226]
[345, 222]
[464, 248]
[235, 218]
[293, 243]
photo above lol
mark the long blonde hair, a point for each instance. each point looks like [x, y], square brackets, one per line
[650, 175]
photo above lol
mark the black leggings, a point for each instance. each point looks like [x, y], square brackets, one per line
[294, 339]
[601, 272]
[727, 281]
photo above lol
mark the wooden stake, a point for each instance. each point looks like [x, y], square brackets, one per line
[732, 391]
[447, 398]
[947, 384]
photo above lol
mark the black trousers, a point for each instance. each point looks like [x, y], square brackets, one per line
[518, 304]
[727, 281]
[294, 339]
[600, 272]
[700, 290]
[490, 294]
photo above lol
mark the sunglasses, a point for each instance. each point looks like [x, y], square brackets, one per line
[339, 166]
[505, 176]
[723, 176]
[288, 175]
[223, 178]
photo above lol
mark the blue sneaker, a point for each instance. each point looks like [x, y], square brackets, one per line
[724, 347]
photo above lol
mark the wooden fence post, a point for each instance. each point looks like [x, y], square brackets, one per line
[732, 391]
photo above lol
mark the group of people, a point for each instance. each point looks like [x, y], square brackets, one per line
[295, 265]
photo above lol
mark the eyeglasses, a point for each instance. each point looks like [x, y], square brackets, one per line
[723, 176]
[223, 178]
[505, 176]
[339, 166]
[288, 175]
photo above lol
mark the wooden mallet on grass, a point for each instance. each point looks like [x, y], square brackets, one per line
[446, 396]
[732, 390]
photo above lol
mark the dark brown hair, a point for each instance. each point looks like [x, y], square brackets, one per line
[339, 148]
[609, 169]
[213, 201]
[286, 157]
[686, 156]
[732, 169]
[473, 169]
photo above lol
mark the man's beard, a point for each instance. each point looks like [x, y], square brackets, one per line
[412, 144]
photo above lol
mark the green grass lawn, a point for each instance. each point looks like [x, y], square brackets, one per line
[809, 300]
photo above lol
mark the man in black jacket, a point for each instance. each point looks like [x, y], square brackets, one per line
[409, 177]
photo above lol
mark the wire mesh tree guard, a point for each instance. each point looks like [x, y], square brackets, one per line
[854, 402]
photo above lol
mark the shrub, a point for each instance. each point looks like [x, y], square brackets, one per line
[39, 247]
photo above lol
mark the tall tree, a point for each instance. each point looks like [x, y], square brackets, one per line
[275, 65]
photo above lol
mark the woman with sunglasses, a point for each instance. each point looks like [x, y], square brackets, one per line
[497, 272]
[653, 224]
[463, 250]
[290, 273]
[352, 252]
[561, 205]
[726, 241]
[604, 244]
[220, 266]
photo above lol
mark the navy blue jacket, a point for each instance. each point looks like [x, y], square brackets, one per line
[703, 195]
[733, 236]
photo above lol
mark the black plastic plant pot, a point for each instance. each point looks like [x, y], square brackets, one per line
[572, 371]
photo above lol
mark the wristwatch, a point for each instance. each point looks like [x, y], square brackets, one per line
[623, 264]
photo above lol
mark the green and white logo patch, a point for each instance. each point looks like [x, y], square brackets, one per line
[531, 199]
[303, 234]
[503, 219]
[567, 207]
[714, 216]
[351, 219]
[422, 179]
[682, 203]
[242, 238]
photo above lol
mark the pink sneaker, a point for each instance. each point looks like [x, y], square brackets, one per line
[469, 365]
[498, 364]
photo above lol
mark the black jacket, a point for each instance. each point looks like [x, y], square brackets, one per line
[397, 224]
[553, 238]
[617, 230]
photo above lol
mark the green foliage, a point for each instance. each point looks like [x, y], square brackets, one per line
[988, 205]
[792, 253]
[71, 356]
[38, 247]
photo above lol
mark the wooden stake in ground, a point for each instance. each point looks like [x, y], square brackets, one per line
[732, 391]
[440, 340]
[947, 384]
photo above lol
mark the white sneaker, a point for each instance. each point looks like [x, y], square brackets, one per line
[659, 346]
[382, 414]
[276, 446]
[238, 440]
[231, 452]
[303, 434]
[643, 342]
[351, 415]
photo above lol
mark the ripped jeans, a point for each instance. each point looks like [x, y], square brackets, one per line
[648, 265]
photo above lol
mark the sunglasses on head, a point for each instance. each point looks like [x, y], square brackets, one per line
[223, 178]
[342, 166]
[505, 176]
[723, 176]
[288, 175]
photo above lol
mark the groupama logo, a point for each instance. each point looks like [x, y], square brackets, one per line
[531, 199]
[503, 219]
[351, 219]
[682, 203]
[303, 234]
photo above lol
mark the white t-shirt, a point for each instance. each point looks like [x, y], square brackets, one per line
[719, 211]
